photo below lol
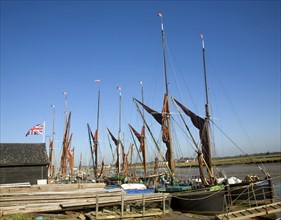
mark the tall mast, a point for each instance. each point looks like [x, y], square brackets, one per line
[143, 128]
[119, 131]
[96, 140]
[170, 148]
[208, 152]
[51, 148]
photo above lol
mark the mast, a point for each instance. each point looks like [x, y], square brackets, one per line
[143, 133]
[96, 134]
[207, 152]
[51, 148]
[119, 132]
[167, 115]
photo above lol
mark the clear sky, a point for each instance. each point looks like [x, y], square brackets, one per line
[51, 47]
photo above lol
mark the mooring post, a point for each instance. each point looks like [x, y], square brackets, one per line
[143, 204]
[122, 205]
[97, 205]
[164, 207]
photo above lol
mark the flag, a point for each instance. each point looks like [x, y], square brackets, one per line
[201, 35]
[159, 14]
[97, 80]
[35, 130]
[118, 87]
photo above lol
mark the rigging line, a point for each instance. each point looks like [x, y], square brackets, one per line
[227, 137]
[176, 140]
[233, 109]
[184, 132]
[183, 79]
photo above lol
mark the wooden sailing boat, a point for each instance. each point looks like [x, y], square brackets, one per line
[210, 197]
[208, 201]
[255, 190]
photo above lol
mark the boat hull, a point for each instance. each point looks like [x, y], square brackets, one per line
[204, 202]
[258, 191]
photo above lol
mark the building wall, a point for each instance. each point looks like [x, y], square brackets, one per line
[23, 174]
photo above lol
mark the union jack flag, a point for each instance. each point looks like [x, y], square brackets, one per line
[35, 130]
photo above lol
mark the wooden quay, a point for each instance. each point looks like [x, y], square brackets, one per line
[72, 197]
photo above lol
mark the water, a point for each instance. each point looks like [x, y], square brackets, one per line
[241, 171]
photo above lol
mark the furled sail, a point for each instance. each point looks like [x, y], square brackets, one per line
[141, 138]
[161, 119]
[202, 125]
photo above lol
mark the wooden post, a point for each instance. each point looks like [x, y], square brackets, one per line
[122, 205]
[164, 207]
[143, 204]
[97, 205]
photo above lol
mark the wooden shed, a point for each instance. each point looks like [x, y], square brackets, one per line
[23, 162]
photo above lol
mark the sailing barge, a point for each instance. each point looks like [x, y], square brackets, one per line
[206, 195]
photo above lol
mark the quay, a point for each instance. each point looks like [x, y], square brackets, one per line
[94, 201]
[56, 198]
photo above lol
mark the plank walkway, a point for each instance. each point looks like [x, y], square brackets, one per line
[67, 197]
[253, 212]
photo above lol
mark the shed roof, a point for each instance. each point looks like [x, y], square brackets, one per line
[19, 154]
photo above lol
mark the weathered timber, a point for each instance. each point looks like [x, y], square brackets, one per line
[253, 212]
[46, 200]
[50, 188]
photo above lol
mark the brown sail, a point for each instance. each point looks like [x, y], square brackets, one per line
[202, 125]
[161, 119]
[141, 138]
[66, 141]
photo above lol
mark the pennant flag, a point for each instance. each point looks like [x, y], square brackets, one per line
[159, 14]
[97, 80]
[118, 87]
[36, 130]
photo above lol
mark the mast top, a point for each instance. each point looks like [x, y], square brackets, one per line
[161, 16]
[203, 46]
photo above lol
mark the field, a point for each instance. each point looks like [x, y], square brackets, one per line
[248, 159]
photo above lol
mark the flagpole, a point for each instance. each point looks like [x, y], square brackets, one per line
[44, 131]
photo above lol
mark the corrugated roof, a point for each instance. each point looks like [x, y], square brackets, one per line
[18, 154]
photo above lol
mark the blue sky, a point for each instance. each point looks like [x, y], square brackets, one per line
[48, 47]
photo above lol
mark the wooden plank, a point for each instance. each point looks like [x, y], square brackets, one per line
[51, 188]
[67, 200]
[253, 212]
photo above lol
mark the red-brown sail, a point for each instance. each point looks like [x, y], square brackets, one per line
[202, 125]
[113, 138]
[65, 147]
[157, 116]
[141, 138]
[161, 119]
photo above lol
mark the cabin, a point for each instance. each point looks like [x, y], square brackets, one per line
[23, 162]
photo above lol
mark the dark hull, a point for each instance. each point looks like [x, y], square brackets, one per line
[259, 191]
[202, 201]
